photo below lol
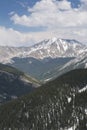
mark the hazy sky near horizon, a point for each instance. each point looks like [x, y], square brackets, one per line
[25, 22]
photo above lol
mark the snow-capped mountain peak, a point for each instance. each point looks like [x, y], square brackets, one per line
[57, 48]
[53, 48]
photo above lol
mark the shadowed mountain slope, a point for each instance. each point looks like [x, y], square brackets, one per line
[58, 105]
[14, 83]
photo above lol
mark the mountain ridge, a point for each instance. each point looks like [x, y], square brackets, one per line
[14, 83]
[53, 48]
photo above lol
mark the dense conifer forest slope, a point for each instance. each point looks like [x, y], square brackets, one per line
[14, 83]
[60, 104]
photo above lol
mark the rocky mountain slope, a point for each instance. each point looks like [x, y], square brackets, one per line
[78, 62]
[53, 48]
[75, 63]
[14, 83]
[42, 58]
[57, 105]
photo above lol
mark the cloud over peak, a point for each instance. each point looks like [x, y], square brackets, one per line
[57, 18]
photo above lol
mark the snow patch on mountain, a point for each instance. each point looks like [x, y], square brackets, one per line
[53, 48]
[69, 99]
[85, 65]
[83, 89]
[79, 62]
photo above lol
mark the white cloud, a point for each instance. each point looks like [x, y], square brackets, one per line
[59, 19]
[11, 13]
[52, 13]
[84, 5]
[44, 13]
[11, 37]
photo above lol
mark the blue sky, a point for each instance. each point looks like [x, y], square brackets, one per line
[20, 7]
[25, 22]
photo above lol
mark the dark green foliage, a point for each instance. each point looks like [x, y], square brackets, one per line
[76, 78]
[10, 69]
[13, 83]
[49, 107]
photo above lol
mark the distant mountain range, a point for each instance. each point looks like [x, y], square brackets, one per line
[56, 99]
[43, 60]
[53, 48]
[58, 105]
